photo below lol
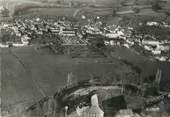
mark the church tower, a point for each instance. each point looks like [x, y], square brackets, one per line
[94, 110]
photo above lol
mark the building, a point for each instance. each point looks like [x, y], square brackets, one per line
[67, 32]
[126, 113]
[150, 42]
[94, 110]
[154, 112]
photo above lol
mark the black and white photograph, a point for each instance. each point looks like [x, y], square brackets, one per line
[84, 58]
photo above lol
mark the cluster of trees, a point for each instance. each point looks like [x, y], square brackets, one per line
[5, 12]
[156, 5]
[53, 41]
[96, 45]
[158, 31]
[7, 35]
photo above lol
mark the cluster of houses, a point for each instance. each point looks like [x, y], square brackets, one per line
[95, 111]
[26, 30]
[159, 49]
[73, 34]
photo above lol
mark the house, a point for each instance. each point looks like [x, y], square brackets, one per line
[67, 32]
[152, 23]
[89, 111]
[24, 39]
[3, 45]
[55, 30]
[126, 113]
[150, 42]
[156, 52]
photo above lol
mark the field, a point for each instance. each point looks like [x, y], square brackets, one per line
[29, 74]
[12, 4]
[53, 11]
[148, 67]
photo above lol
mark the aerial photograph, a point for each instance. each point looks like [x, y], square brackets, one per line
[84, 58]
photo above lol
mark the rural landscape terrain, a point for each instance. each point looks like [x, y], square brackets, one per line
[56, 55]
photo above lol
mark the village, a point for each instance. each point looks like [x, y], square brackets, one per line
[30, 31]
[63, 58]
[70, 31]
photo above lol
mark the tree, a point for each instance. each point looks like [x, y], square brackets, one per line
[5, 35]
[123, 3]
[156, 6]
[114, 12]
[136, 10]
[96, 42]
[135, 2]
[167, 12]
[5, 12]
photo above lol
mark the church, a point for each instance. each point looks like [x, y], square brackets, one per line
[90, 111]
[94, 110]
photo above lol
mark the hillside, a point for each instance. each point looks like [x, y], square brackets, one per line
[29, 74]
